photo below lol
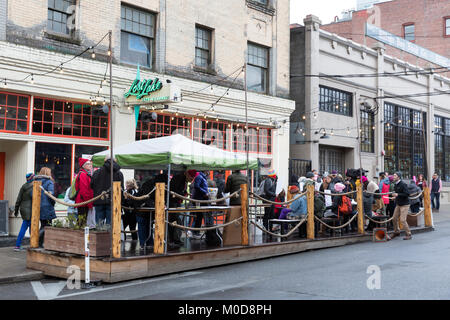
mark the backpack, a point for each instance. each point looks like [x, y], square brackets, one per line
[319, 205]
[345, 207]
[73, 190]
[260, 191]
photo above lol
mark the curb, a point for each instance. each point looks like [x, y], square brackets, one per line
[35, 275]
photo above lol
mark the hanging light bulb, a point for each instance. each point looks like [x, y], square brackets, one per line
[61, 70]
[104, 80]
[32, 79]
[109, 52]
[93, 53]
[337, 106]
[332, 132]
[315, 115]
[304, 118]
[4, 84]
[348, 130]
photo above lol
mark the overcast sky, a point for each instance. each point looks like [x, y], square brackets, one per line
[326, 10]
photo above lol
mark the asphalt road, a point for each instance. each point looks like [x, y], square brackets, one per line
[408, 270]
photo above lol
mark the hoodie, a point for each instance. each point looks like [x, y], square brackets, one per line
[101, 181]
[200, 187]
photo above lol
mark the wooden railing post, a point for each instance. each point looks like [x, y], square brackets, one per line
[310, 205]
[244, 212]
[160, 223]
[35, 214]
[427, 207]
[360, 204]
[116, 219]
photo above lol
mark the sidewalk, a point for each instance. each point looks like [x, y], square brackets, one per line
[13, 266]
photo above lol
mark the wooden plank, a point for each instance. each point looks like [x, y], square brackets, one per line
[244, 212]
[160, 223]
[360, 204]
[35, 214]
[310, 205]
[116, 219]
[427, 206]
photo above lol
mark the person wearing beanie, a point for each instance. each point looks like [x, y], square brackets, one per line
[270, 187]
[401, 196]
[84, 192]
[24, 205]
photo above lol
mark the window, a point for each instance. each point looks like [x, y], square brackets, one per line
[137, 36]
[367, 131]
[161, 125]
[331, 159]
[57, 15]
[447, 26]
[264, 2]
[257, 68]
[404, 140]
[409, 32]
[14, 113]
[336, 101]
[442, 147]
[65, 118]
[202, 47]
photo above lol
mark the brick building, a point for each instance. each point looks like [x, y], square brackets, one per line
[423, 22]
[200, 47]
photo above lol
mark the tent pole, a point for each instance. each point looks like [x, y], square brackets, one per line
[167, 208]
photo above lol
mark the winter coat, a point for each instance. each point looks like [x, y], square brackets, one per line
[403, 195]
[24, 201]
[270, 187]
[101, 180]
[414, 190]
[385, 189]
[299, 207]
[47, 204]
[200, 191]
[83, 185]
[233, 184]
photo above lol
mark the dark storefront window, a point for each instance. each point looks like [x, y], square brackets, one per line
[336, 101]
[367, 131]
[71, 119]
[58, 158]
[404, 141]
[442, 147]
[14, 110]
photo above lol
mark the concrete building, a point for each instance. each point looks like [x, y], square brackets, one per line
[372, 121]
[51, 109]
[423, 22]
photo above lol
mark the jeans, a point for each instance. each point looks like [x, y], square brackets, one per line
[26, 224]
[144, 231]
[102, 212]
[437, 196]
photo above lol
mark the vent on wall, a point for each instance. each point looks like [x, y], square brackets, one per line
[4, 215]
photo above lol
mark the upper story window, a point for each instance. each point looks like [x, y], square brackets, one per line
[202, 47]
[58, 14]
[14, 113]
[447, 26]
[367, 131]
[336, 101]
[264, 2]
[257, 68]
[409, 32]
[137, 36]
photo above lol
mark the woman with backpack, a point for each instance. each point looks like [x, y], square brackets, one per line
[84, 192]
[342, 205]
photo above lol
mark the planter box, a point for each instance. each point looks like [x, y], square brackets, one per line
[72, 241]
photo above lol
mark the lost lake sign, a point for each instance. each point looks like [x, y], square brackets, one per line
[142, 89]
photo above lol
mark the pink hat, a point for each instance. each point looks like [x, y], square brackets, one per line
[364, 179]
[339, 187]
[82, 161]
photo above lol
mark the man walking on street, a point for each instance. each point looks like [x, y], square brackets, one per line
[436, 186]
[401, 196]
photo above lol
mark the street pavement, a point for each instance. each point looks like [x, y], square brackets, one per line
[418, 269]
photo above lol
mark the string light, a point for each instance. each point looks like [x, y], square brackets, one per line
[109, 52]
[304, 118]
[4, 84]
[315, 115]
[93, 53]
[61, 70]
[32, 79]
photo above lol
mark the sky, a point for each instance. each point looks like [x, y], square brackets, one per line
[326, 10]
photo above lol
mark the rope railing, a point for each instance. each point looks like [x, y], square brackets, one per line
[337, 194]
[255, 196]
[378, 194]
[146, 196]
[337, 227]
[234, 194]
[102, 196]
[378, 221]
[280, 235]
[176, 225]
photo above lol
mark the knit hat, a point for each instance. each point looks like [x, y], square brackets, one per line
[364, 179]
[310, 175]
[29, 176]
[192, 173]
[272, 173]
[294, 189]
[82, 161]
[339, 187]
[334, 172]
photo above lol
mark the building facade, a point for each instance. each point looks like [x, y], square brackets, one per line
[54, 93]
[395, 122]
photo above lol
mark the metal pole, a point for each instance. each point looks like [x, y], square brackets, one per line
[111, 126]
[167, 209]
[246, 133]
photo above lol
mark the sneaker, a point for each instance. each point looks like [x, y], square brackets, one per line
[407, 237]
[17, 249]
[189, 234]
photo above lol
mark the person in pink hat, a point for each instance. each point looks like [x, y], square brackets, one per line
[83, 189]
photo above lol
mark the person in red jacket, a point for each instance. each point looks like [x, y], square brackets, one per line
[84, 190]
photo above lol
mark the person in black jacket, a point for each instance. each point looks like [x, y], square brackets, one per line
[101, 181]
[401, 196]
[270, 187]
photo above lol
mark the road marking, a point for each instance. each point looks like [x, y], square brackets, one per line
[222, 288]
[47, 291]
[134, 283]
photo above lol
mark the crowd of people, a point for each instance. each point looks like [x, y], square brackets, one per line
[89, 183]
[389, 197]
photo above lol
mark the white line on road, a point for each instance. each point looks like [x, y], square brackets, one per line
[241, 284]
[134, 283]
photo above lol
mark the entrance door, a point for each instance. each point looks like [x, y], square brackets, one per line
[2, 175]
